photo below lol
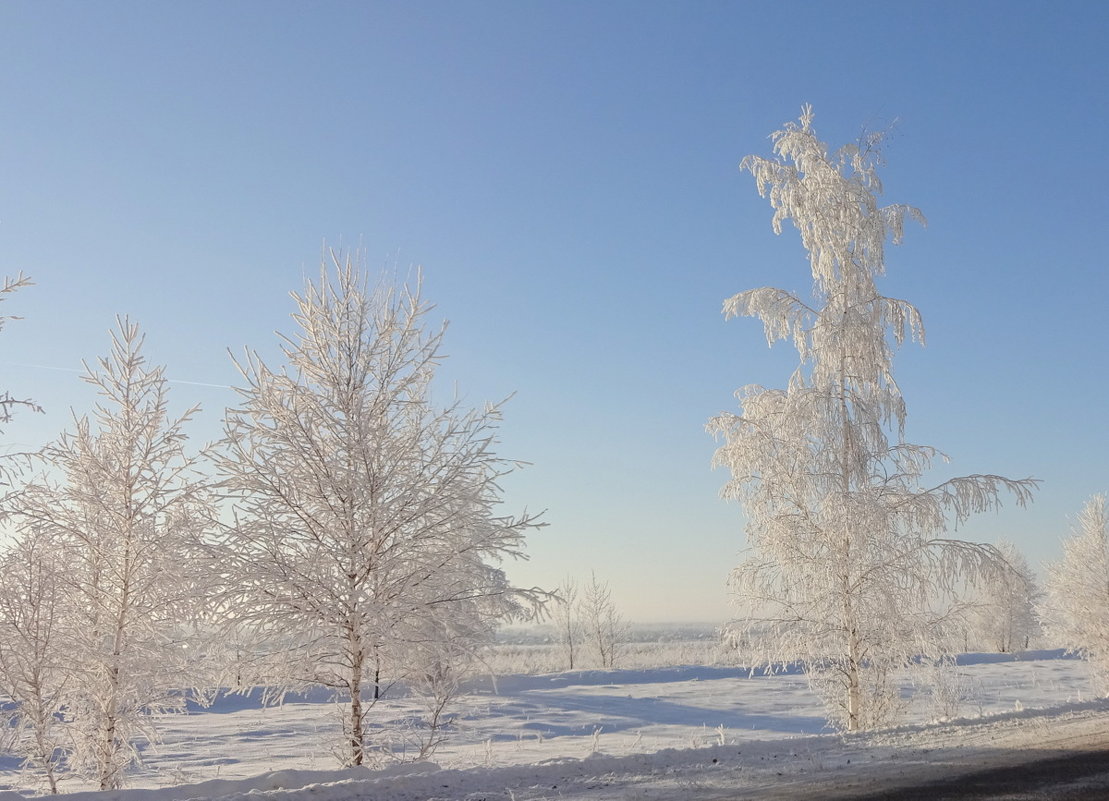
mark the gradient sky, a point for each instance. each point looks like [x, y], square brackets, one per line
[567, 175]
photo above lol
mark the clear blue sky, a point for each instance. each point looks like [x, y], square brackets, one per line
[566, 173]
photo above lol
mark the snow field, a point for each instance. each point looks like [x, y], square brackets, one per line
[561, 735]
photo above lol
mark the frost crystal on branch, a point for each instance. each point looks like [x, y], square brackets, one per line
[848, 566]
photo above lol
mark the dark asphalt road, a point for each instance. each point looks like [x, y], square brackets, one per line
[1077, 776]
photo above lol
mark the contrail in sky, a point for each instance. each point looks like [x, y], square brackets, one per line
[75, 370]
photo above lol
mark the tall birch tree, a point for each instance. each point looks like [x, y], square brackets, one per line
[847, 547]
[365, 516]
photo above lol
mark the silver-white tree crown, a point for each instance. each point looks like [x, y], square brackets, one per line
[847, 554]
[365, 516]
[1077, 605]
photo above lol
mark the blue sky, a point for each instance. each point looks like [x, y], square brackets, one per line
[566, 173]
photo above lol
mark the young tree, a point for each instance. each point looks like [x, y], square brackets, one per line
[847, 549]
[565, 615]
[603, 625]
[125, 512]
[1005, 612]
[439, 660]
[1078, 587]
[364, 515]
[30, 671]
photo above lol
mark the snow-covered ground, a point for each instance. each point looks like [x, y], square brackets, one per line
[634, 734]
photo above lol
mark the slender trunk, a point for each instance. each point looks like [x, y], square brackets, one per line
[109, 748]
[110, 745]
[847, 458]
[42, 722]
[357, 736]
[852, 668]
[47, 756]
[569, 641]
[854, 686]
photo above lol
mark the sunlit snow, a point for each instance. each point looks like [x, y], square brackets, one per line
[520, 736]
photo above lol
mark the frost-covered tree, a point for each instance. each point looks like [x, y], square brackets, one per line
[1004, 612]
[123, 502]
[847, 549]
[30, 645]
[35, 651]
[601, 621]
[439, 659]
[564, 614]
[1078, 587]
[365, 516]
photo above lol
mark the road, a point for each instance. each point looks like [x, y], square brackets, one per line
[1081, 776]
[1062, 759]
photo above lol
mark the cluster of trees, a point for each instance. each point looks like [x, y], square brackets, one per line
[1004, 612]
[1009, 611]
[346, 531]
[588, 623]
